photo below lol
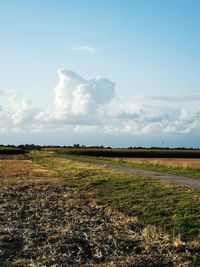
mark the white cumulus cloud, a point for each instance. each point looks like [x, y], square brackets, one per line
[78, 100]
[21, 111]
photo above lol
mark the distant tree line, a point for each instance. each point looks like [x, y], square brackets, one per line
[78, 146]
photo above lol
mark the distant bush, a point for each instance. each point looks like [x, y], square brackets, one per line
[11, 151]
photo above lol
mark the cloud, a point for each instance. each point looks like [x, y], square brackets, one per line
[190, 114]
[85, 49]
[80, 101]
[173, 98]
[18, 115]
[2, 92]
[82, 106]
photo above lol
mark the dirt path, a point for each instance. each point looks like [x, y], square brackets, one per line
[184, 181]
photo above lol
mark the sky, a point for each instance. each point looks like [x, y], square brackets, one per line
[114, 73]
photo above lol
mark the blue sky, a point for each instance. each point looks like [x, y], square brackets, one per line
[149, 49]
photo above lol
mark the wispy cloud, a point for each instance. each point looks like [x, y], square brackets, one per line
[2, 92]
[84, 49]
[173, 98]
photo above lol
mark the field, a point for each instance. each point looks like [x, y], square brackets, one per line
[10, 151]
[129, 153]
[179, 163]
[60, 212]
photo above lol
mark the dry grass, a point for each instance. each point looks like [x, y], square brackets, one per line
[46, 223]
[168, 162]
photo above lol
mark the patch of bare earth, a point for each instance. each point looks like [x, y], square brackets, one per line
[45, 223]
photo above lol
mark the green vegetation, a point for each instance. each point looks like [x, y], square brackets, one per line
[173, 208]
[106, 155]
[130, 153]
[61, 213]
[191, 173]
[11, 151]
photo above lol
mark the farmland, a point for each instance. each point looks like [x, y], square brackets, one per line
[61, 212]
[178, 162]
[11, 151]
[178, 166]
[129, 153]
[181, 163]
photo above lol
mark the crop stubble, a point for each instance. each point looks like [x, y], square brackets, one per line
[44, 222]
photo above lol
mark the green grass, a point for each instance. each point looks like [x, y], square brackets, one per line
[173, 208]
[191, 173]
